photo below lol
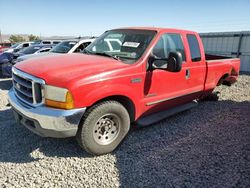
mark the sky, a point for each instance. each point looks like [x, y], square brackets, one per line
[93, 17]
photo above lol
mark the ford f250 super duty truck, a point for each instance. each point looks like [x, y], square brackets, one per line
[147, 75]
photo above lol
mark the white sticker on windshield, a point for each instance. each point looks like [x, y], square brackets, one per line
[72, 43]
[131, 44]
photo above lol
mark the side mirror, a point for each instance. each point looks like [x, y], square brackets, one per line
[172, 64]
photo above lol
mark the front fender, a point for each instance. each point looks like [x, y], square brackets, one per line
[86, 96]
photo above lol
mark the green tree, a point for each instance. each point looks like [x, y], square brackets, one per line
[16, 38]
[33, 37]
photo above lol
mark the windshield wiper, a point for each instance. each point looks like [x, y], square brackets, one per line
[107, 55]
[102, 54]
[85, 51]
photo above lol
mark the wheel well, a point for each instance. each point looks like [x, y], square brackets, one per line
[222, 79]
[125, 101]
[234, 72]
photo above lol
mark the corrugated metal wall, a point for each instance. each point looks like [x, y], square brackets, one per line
[235, 44]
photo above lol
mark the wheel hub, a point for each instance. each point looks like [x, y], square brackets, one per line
[106, 129]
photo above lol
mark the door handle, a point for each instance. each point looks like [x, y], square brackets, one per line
[187, 73]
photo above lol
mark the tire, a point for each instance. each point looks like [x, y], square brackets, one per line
[103, 128]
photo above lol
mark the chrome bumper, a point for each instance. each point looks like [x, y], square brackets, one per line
[46, 121]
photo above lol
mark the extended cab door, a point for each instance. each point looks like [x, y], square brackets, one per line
[196, 65]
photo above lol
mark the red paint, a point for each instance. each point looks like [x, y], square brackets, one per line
[4, 45]
[91, 78]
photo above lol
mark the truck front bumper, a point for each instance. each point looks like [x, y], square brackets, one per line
[46, 121]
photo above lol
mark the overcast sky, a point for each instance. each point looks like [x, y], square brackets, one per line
[93, 17]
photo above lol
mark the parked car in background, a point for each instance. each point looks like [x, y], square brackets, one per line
[18, 46]
[155, 73]
[34, 49]
[113, 44]
[110, 44]
[67, 46]
[50, 41]
[5, 58]
[4, 46]
[47, 42]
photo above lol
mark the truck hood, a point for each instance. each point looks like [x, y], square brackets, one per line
[58, 69]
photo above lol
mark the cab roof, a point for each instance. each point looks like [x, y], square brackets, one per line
[159, 29]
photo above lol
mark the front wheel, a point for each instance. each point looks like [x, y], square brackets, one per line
[103, 128]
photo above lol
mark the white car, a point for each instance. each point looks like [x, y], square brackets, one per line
[67, 46]
[18, 46]
[114, 44]
[110, 45]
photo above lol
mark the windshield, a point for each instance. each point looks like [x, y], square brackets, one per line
[30, 50]
[63, 47]
[15, 45]
[126, 45]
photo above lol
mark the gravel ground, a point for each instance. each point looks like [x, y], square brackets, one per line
[208, 146]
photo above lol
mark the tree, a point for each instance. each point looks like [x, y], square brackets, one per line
[33, 37]
[16, 38]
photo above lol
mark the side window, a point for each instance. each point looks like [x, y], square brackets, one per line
[103, 46]
[86, 44]
[46, 42]
[170, 42]
[81, 47]
[194, 48]
[25, 45]
[56, 42]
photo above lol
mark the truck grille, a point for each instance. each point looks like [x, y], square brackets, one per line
[27, 88]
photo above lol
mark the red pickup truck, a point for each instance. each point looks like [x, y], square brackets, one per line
[141, 76]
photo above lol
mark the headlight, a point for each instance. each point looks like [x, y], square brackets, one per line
[58, 97]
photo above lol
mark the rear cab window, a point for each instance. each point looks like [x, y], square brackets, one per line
[194, 48]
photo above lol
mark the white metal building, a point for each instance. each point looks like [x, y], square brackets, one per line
[235, 44]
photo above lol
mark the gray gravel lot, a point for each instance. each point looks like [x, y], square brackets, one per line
[208, 146]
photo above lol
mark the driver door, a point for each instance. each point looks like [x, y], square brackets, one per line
[162, 87]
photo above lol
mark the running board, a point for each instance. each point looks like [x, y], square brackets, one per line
[156, 117]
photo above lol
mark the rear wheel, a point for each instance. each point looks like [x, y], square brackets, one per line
[103, 128]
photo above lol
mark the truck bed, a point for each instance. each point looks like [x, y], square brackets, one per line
[226, 69]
